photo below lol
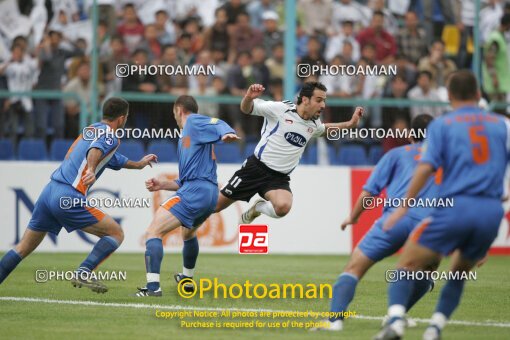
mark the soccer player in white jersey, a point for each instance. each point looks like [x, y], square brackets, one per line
[286, 131]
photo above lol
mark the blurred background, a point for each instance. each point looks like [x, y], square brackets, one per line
[58, 59]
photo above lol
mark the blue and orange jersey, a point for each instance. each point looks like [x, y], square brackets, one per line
[394, 172]
[472, 146]
[196, 150]
[75, 163]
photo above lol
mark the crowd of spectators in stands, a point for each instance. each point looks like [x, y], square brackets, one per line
[244, 40]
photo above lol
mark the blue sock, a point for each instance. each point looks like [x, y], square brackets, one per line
[450, 297]
[153, 258]
[189, 255]
[8, 263]
[343, 293]
[103, 248]
[399, 293]
[420, 288]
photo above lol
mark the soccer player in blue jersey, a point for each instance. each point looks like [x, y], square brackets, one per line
[472, 147]
[62, 202]
[197, 190]
[393, 172]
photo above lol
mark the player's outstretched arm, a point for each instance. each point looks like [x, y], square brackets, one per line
[356, 116]
[155, 184]
[421, 175]
[142, 163]
[358, 209]
[254, 91]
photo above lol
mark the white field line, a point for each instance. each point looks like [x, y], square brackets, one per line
[487, 323]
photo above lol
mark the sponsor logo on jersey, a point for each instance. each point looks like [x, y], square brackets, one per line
[295, 139]
[310, 130]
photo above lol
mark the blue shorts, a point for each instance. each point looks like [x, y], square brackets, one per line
[378, 244]
[471, 226]
[53, 210]
[193, 203]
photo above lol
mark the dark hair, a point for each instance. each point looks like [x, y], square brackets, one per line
[118, 38]
[188, 103]
[368, 45]
[243, 53]
[308, 88]
[115, 107]
[276, 82]
[462, 85]
[505, 19]
[243, 13]
[19, 38]
[161, 11]
[401, 76]
[165, 47]
[420, 123]
[15, 46]
[185, 35]
[138, 51]
[426, 73]
[381, 13]
[53, 32]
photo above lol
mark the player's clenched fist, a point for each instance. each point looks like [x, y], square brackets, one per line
[153, 184]
[356, 116]
[254, 91]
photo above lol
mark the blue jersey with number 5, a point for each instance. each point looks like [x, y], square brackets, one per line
[472, 146]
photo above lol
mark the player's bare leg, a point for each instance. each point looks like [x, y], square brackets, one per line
[190, 251]
[162, 223]
[358, 264]
[110, 238]
[415, 257]
[277, 204]
[30, 240]
[281, 202]
[450, 296]
[223, 202]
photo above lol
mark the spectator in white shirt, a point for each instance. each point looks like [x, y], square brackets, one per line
[490, 16]
[336, 43]
[350, 10]
[21, 74]
[424, 91]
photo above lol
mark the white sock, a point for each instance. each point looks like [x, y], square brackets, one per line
[266, 208]
[396, 311]
[188, 272]
[152, 277]
[438, 320]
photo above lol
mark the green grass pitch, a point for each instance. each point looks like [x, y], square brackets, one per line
[486, 300]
